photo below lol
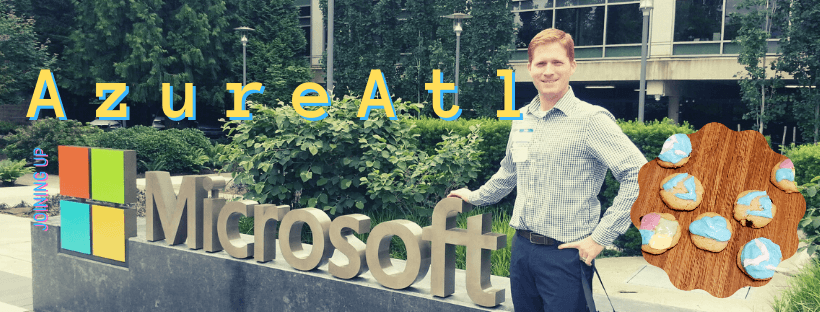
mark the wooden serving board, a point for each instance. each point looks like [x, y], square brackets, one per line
[727, 163]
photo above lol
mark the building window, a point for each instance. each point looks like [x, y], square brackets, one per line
[531, 5]
[698, 20]
[624, 24]
[566, 3]
[585, 24]
[733, 25]
[530, 24]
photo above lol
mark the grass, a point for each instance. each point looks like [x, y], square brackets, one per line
[803, 293]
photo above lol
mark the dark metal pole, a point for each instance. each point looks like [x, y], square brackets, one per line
[330, 47]
[644, 50]
[244, 61]
[458, 50]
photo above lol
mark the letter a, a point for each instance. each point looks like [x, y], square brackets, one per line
[45, 82]
[370, 102]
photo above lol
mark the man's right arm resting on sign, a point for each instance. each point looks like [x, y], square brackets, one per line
[500, 185]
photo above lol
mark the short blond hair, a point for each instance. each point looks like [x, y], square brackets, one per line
[550, 35]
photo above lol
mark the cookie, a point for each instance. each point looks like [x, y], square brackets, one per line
[681, 191]
[710, 231]
[675, 152]
[759, 258]
[659, 232]
[783, 176]
[754, 209]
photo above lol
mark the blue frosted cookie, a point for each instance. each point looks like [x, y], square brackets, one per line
[675, 152]
[759, 258]
[710, 231]
[681, 191]
[754, 209]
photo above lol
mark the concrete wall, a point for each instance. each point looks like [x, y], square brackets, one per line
[14, 113]
[159, 277]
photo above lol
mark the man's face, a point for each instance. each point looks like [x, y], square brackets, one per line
[550, 70]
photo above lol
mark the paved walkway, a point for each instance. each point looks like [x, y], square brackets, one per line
[632, 283]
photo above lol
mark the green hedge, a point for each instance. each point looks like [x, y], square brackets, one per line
[171, 150]
[46, 134]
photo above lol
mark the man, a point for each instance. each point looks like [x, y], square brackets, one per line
[557, 157]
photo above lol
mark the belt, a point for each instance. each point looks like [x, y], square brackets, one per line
[537, 239]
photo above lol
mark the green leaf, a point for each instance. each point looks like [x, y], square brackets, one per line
[385, 154]
[418, 197]
[813, 249]
[312, 202]
[346, 161]
[306, 175]
[345, 184]
[321, 182]
[805, 222]
[359, 205]
[313, 150]
[323, 198]
[816, 223]
[811, 191]
[317, 169]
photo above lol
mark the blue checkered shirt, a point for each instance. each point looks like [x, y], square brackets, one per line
[567, 156]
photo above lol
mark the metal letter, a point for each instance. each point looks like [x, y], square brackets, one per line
[290, 237]
[444, 236]
[378, 254]
[228, 228]
[341, 235]
[166, 212]
[479, 244]
[211, 209]
[264, 230]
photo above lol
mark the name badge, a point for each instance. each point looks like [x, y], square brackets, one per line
[521, 143]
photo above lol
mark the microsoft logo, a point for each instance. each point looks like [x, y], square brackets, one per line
[98, 229]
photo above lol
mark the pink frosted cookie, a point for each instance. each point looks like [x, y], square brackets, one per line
[783, 176]
[659, 232]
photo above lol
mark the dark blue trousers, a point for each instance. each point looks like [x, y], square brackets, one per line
[545, 278]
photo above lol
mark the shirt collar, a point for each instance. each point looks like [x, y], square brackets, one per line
[566, 104]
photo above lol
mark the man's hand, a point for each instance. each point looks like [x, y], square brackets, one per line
[587, 248]
[462, 193]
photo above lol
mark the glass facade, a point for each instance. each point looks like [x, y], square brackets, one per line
[596, 26]
[707, 27]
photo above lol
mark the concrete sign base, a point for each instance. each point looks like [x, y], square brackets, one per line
[175, 278]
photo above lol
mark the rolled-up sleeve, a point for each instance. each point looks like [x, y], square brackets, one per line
[608, 143]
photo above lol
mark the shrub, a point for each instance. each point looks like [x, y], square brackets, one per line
[803, 293]
[7, 127]
[171, 150]
[285, 158]
[47, 134]
[806, 159]
[11, 170]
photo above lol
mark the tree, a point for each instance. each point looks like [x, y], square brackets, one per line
[272, 51]
[408, 39]
[147, 43]
[758, 91]
[799, 46]
[21, 53]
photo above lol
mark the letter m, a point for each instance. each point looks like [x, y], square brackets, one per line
[168, 216]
